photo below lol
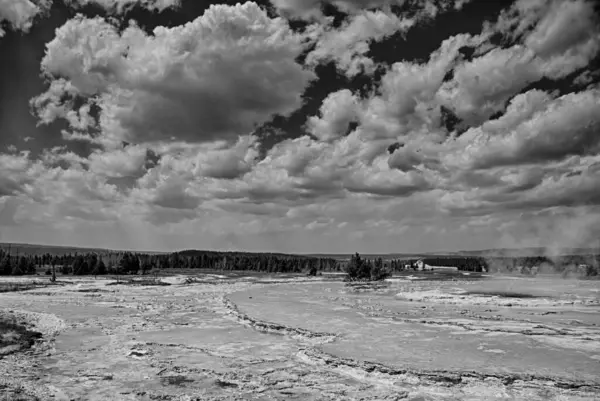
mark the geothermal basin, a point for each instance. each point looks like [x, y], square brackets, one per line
[238, 337]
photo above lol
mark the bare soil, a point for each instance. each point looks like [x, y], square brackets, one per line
[223, 336]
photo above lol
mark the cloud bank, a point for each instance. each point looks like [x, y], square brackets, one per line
[457, 143]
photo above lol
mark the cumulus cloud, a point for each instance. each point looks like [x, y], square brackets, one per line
[408, 99]
[19, 14]
[118, 163]
[228, 163]
[412, 156]
[552, 40]
[348, 45]
[170, 191]
[15, 173]
[520, 108]
[216, 77]
[301, 171]
[312, 9]
[338, 110]
[59, 154]
[48, 192]
[564, 127]
[565, 35]
[528, 188]
[379, 179]
[175, 117]
[585, 78]
[119, 6]
[481, 87]
[112, 163]
[303, 9]
[565, 24]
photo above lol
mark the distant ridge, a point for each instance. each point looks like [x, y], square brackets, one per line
[494, 252]
[59, 250]
[37, 249]
[198, 252]
[341, 256]
[535, 251]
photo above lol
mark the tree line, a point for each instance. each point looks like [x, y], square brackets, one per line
[15, 265]
[99, 263]
[140, 263]
[587, 265]
[467, 263]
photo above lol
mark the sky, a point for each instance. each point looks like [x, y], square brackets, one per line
[300, 126]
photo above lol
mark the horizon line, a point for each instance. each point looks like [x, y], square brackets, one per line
[438, 252]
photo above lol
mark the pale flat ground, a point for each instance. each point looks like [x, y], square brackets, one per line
[308, 339]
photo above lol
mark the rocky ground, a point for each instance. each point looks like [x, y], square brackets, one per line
[213, 338]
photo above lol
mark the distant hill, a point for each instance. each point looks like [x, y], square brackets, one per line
[523, 252]
[196, 252]
[36, 249]
[499, 252]
[384, 256]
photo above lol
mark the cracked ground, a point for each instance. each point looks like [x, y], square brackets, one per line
[295, 338]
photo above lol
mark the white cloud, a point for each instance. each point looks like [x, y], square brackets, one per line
[379, 179]
[409, 91]
[118, 163]
[482, 86]
[566, 24]
[348, 45]
[520, 189]
[15, 173]
[56, 155]
[119, 6]
[565, 35]
[228, 163]
[216, 77]
[413, 156]
[585, 78]
[49, 194]
[550, 44]
[311, 9]
[338, 110]
[564, 127]
[374, 171]
[304, 9]
[521, 108]
[19, 14]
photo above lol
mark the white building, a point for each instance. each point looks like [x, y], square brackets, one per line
[421, 265]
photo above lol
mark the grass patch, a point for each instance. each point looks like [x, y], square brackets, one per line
[224, 384]
[15, 336]
[176, 380]
[191, 280]
[140, 282]
[366, 285]
[28, 285]
[24, 286]
[504, 294]
[13, 287]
